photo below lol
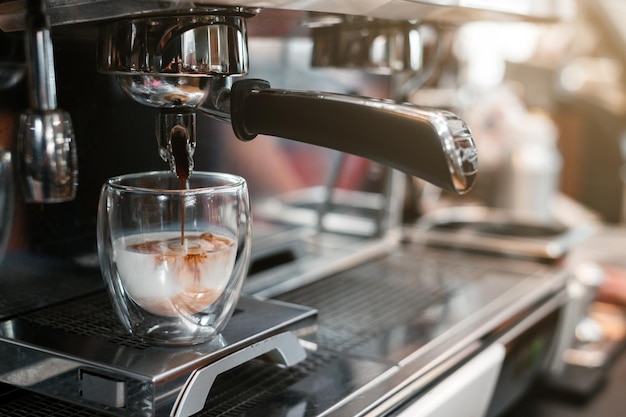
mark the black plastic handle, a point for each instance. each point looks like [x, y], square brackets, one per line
[432, 144]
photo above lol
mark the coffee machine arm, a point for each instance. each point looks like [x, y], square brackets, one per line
[161, 72]
[432, 144]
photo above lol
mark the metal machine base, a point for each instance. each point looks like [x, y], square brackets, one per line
[76, 351]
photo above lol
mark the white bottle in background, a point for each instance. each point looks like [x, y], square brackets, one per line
[531, 173]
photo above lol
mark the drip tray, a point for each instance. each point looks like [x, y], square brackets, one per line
[77, 351]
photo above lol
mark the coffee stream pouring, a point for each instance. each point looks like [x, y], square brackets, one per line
[182, 64]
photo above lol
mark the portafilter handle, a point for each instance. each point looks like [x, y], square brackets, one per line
[432, 144]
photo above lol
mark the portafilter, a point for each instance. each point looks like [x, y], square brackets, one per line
[187, 63]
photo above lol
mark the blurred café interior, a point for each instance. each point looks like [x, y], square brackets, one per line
[408, 294]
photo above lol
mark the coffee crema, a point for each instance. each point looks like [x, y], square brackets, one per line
[170, 278]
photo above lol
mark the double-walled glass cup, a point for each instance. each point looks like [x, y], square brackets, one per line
[174, 259]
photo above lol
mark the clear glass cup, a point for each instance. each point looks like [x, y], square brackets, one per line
[174, 260]
[6, 199]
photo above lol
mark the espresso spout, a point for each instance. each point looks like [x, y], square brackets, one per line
[432, 144]
[176, 139]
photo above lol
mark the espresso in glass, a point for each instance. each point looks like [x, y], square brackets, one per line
[185, 277]
[174, 259]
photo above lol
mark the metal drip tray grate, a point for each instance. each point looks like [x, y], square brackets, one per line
[394, 306]
[35, 405]
[375, 297]
[29, 283]
[254, 384]
[91, 315]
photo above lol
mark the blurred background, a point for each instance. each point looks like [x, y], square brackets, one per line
[547, 99]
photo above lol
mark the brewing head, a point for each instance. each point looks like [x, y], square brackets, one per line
[168, 62]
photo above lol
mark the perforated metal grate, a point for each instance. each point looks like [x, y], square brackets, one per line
[363, 301]
[91, 315]
[252, 384]
[34, 405]
[27, 284]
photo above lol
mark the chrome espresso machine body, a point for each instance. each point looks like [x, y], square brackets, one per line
[343, 313]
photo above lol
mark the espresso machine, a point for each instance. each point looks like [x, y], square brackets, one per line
[345, 312]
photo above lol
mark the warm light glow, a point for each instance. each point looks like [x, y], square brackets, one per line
[485, 47]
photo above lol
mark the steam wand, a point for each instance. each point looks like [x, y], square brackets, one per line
[45, 141]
